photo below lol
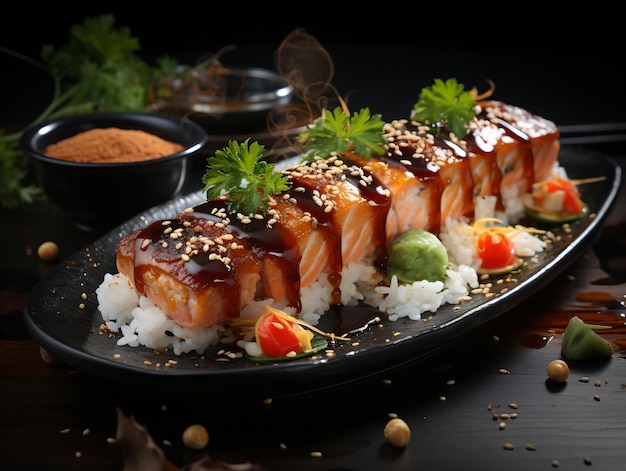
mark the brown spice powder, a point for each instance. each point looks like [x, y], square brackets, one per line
[110, 145]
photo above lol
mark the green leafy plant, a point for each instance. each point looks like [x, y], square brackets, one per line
[238, 173]
[445, 106]
[338, 131]
[98, 69]
[13, 173]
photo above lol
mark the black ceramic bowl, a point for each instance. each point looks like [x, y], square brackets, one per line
[99, 196]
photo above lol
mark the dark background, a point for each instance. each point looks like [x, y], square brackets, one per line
[563, 65]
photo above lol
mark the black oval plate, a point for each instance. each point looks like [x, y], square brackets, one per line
[72, 333]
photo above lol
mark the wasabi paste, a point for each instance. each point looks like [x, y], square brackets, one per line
[581, 343]
[417, 255]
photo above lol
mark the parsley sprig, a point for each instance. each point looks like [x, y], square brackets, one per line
[445, 106]
[338, 131]
[238, 173]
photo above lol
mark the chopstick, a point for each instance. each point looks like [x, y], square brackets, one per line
[592, 133]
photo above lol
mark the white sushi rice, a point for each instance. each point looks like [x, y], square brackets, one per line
[139, 322]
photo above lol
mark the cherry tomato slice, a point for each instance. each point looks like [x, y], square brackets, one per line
[277, 336]
[495, 249]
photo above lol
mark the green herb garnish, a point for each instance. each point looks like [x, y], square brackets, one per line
[238, 173]
[337, 132]
[445, 105]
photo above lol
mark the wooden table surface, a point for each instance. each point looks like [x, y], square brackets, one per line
[56, 417]
[49, 415]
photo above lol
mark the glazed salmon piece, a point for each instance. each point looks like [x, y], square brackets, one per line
[414, 201]
[342, 197]
[319, 247]
[441, 165]
[457, 200]
[502, 164]
[195, 294]
[542, 134]
[516, 168]
[483, 160]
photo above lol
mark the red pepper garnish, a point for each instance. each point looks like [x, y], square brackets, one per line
[558, 196]
[557, 199]
[495, 249]
[279, 335]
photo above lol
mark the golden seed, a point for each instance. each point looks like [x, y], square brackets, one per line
[596, 397]
[513, 405]
[48, 251]
[316, 454]
[196, 437]
[557, 371]
[530, 446]
[397, 432]
[509, 446]
[584, 379]
[504, 371]
[587, 460]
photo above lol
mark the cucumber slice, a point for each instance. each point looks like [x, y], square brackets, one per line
[501, 270]
[554, 218]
